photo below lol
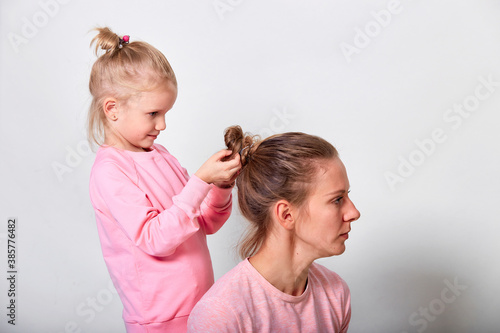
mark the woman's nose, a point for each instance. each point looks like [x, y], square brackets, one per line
[352, 213]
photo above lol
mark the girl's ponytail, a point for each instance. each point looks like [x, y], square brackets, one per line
[105, 40]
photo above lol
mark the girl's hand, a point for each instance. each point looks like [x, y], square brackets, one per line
[222, 174]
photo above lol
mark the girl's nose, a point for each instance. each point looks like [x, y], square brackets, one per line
[160, 124]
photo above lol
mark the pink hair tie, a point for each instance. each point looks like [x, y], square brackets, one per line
[124, 40]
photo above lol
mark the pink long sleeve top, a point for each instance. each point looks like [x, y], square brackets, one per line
[152, 220]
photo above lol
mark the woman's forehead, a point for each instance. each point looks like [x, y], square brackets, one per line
[330, 177]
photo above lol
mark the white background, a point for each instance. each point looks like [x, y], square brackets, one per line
[375, 78]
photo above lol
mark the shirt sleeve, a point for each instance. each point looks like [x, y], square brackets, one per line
[210, 315]
[216, 209]
[116, 197]
[217, 206]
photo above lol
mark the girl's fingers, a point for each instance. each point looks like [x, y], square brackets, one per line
[235, 162]
[223, 153]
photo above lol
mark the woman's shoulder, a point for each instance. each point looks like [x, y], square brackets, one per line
[320, 269]
[231, 288]
[230, 283]
[327, 277]
[218, 310]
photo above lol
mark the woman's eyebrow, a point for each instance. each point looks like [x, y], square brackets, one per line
[337, 192]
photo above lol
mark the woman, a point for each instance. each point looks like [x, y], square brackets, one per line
[293, 189]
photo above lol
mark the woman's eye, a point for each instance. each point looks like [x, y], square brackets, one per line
[338, 200]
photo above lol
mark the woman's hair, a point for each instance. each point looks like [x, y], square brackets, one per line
[124, 69]
[282, 166]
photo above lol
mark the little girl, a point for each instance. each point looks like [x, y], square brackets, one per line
[152, 218]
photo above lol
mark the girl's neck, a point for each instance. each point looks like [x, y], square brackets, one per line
[110, 142]
[282, 266]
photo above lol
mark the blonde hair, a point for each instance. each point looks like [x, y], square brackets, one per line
[282, 166]
[124, 69]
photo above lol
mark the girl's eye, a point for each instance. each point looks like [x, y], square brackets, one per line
[153, 114]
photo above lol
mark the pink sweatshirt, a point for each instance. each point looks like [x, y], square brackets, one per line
[244, 301]
[152, 221]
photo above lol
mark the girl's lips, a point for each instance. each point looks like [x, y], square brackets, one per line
[346, 235]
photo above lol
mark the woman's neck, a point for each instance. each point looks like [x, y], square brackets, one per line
[282, 266]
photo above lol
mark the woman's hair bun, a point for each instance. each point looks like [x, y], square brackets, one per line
[240, 143]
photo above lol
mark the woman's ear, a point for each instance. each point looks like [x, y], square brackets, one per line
[283, 214]
[110, 110]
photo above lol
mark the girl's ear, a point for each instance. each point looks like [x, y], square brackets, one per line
[110, 110]
[283, 213]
